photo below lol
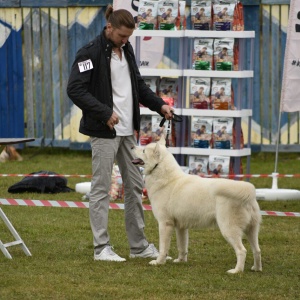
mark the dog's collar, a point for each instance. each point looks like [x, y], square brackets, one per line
[154, 168]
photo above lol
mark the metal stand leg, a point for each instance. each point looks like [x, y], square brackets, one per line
[18, 240]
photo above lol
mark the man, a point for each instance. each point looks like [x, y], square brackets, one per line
[106, 85]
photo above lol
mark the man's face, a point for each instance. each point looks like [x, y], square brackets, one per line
[118, 36]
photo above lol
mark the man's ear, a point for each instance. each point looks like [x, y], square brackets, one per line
[162, 140]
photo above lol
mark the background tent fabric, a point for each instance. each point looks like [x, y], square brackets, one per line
[290, 95]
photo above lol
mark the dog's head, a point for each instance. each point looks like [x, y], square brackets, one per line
[150, 156]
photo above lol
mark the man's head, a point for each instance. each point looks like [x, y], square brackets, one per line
[120, 25]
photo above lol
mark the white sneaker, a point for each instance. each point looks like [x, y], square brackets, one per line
[107, 254]
[150, 252]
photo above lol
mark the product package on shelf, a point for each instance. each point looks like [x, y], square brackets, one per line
[168, 90]
[168, 132]
[167, 15]
[222, 133]
[200, 93]
[146, 130]
[152, 82]
[202, 58]
[223, 14]
[198, 165]
[201, 15]
[221, 94]
[201, 132]
[224, 54]
[219, 165]
[147, 15]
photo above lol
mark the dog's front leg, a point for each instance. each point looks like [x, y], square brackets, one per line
[182, 240]
[165, 234]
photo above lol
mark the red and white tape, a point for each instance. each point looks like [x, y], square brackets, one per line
[222, 176]
[72, 204]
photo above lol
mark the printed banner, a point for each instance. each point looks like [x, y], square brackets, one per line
[290, 94]
[151, 48]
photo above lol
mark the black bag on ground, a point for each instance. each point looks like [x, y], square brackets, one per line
[49, 185]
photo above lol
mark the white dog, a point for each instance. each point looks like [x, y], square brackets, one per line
[183, 201]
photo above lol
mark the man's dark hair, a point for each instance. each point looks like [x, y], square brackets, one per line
[120, 17]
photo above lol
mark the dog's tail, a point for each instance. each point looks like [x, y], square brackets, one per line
[247, 196]
[10, 153]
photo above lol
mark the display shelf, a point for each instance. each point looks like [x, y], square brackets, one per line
[216, 113]
[218, 34]
[147, 111]
[183, 73]
[218, 74]
[174, 150]
[203, 112]
[195, 73]
[161, 72]
[159, 33]
[193, 34]
[221, 152]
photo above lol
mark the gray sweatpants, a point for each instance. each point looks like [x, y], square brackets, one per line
[104, 153]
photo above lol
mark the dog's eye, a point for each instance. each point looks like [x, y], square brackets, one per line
[143, 150]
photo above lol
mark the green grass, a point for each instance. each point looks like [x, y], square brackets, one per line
[60, 240]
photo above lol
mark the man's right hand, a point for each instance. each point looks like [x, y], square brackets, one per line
[113, 120]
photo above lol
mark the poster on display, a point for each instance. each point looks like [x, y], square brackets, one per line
[152, 48]
[290, 94]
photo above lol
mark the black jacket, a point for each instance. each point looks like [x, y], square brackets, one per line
[91, 90]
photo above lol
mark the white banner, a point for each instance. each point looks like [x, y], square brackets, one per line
[152, 49]
[290, 94]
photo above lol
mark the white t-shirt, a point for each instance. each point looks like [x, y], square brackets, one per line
[122, 94]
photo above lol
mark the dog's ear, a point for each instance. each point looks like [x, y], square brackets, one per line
[156, 152]
[162, 140]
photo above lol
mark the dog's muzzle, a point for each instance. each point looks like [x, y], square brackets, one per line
[138, 161]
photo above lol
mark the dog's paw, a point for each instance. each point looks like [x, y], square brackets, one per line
[234, 271]
[255, 269]
[169, 258]
[153, 262]
[179, 260]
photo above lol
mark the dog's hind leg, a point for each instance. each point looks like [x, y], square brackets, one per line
[234, 238]
[165, 234]
[182, 240]
[252, 236]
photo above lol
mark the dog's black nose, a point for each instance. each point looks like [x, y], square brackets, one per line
[132, 147]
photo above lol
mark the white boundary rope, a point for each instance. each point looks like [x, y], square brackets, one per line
[221, 176]
[72, 204]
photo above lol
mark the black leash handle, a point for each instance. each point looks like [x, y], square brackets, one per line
[175, 118]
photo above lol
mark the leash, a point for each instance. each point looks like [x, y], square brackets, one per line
[175, 118]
